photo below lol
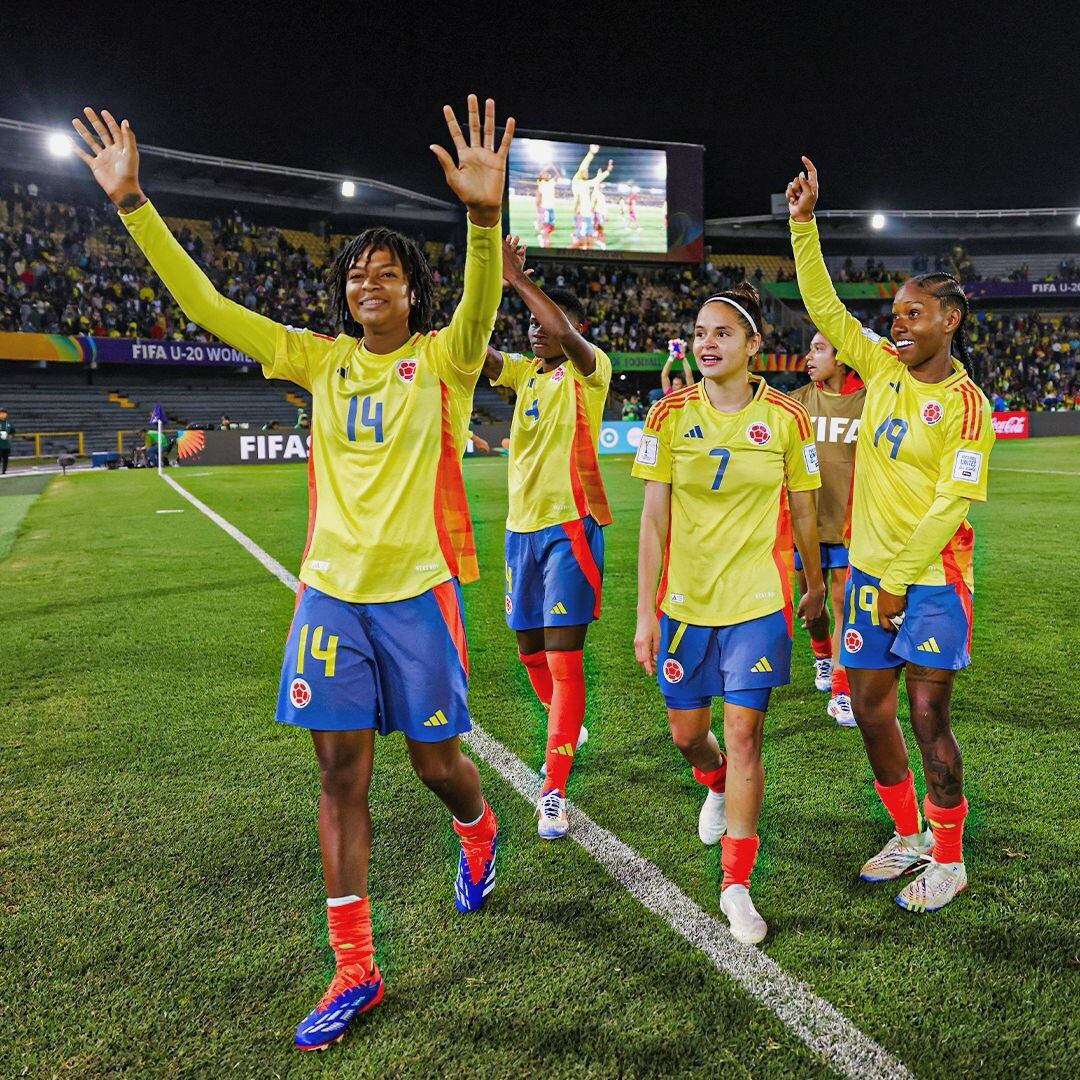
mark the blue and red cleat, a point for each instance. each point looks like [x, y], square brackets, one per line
[343, 1001]
[476, 872]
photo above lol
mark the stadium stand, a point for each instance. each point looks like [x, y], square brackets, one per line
[71, 269]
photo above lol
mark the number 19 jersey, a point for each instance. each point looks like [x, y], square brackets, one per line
[917, 440]
[725, 562]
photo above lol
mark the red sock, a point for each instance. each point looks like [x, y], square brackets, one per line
[349, 926]
[840, 683]
[947, 824]
[822, 649]
[476, 840]
[903, 807]
[536, 666]
[567, 713]
[737, 855]
[714, 779]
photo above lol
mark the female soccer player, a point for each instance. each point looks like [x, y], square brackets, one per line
[834, 399]
[922, 461]
[717, 458]
[558, 508]
[377, 641]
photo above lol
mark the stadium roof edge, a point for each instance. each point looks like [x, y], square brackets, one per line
[262, 168]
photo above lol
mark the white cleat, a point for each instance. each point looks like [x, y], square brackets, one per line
[746, 924]
[551, 812]
[582, 739]
[898, 856]
[712, 821]
[839, 709]
[823, 674]
[934, 887]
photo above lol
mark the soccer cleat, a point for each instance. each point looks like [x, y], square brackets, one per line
[934, 887]
[896, 858]
[746, 924]
[839, 709]
[343, 1001]
[712, 821]
[582, 739]
[823, 673]
[476, 873]
[551, 812]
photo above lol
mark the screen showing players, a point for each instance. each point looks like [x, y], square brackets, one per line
[577, 196]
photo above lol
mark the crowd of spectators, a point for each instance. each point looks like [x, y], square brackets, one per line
[72, 269]
[1027, 361]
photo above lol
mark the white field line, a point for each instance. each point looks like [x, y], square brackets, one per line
[820, 1025]
[1039, 472]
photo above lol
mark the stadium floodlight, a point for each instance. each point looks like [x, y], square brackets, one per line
[877, 221]
[59, 144]
[348, 189]
[1078, 221]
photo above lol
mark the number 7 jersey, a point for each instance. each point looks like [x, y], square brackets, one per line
[725, 560]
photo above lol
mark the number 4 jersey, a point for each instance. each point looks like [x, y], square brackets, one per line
[725, 562]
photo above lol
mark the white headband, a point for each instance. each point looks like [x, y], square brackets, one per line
[738, 307]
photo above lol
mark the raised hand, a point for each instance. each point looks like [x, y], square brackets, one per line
[480, 173]
[513, 256]
[113, 158]
[802, 192]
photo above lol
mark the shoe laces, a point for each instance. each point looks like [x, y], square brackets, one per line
[551, 804]
[345, 978]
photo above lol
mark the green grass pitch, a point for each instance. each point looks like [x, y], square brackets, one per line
[160, 877]
[649, 236]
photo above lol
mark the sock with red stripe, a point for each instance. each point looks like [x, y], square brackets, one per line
[536, 667]
[348, 921]
[947, 824]
[737, 855]
[903, 807]
[714, 779]
[822, 649]
[840, 683]
[566, 715]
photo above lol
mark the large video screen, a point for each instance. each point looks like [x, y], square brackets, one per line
[588, 197]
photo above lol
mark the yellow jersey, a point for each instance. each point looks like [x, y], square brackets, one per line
[554, 475]
[917, 440]
[725, 559]
[387, 432]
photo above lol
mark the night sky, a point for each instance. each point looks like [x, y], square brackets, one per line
[936, 105]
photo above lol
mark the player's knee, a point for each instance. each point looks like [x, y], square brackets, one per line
[341, 777]
[742, 741]
[687, 740]
[434, 772]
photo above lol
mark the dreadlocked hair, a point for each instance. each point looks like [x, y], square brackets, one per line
[413, 262]
[950, 294]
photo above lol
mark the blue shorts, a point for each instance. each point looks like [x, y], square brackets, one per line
[400, 666]
[833, 557]
[739, 663]
[936, 631]
[553, 575]
[549, 216]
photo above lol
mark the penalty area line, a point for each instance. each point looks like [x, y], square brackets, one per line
[816, 1022]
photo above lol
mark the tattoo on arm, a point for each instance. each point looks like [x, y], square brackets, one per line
[131, 201]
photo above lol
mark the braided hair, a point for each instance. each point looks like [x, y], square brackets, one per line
[950, 294]
[413, 262]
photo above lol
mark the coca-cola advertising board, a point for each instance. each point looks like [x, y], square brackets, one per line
[1011, 425]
